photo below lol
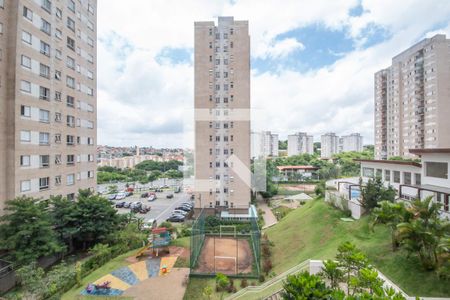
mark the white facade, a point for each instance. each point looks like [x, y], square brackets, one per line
[352, 142]
[264, 144]
[329, 145]
[300, 143]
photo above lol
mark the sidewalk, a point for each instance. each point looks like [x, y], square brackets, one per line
[269, 217]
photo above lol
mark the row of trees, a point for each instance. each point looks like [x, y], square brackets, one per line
[349, 276]
[34, 228]
[144, 172]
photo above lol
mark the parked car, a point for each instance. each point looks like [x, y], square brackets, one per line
[188, 204]
[177, 190]
[127, 205]
[184, 208]
[152, 198]
[144, 195]
[112, 197]
[120, 204]
[169, 196]
[128, 194]
[176, 218]
[136, 204]
[144, 209]
[179, 211]
[121, 196]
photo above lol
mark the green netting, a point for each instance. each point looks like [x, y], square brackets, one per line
[197, 239]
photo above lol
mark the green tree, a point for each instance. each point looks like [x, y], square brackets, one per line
[96, 219]
[332, 273]
[305, 286]
[374, 192]
[424, 232]
[31, 277]
[390, 214]
[320, 189]
[207, 292]
[26, 231]
[222, 283]
[65, 219]
[282, 145]
[351, 260]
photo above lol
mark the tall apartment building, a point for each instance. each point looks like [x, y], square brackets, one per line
[329, 145]
[47, 97]
[264, 144]
[300, 143]
[222, 114]
[351, 142]
[412, 106]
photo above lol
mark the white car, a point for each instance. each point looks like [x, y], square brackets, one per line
[152, 198]
[121, 196]
[179, 212]
[150, 224]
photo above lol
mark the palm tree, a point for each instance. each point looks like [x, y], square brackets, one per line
[390, 214]
[423, 233]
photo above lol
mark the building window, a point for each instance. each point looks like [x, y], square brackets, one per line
[44, 183]
[58, 13]
[58, 54]
[70, 121]
[368, 172]
[44, 93]
[71, 43]
[58, 75]
[418, 179]
[71, 24]
[70, 81]
[387, 175]
[57, 96]
[70, 196]
[44, 71]
[70, 179]
[25, 136]
[44, 116]
[397, 176]
[45, 48]
[47, 5]
[379, 173]
[26, 37]
[71, 5]
[70, 159]
[58, 138]
[44, 138]
[44, 161]
[58, 33]
[406, 177]
[25, 111]
[70, 62]
[24, 160]
[58, 180]
[58, 159]
[25, 61]
[25, 186]
[436, 170]
[70, 101]
[27, 13]
[46, 27]
[70, 139]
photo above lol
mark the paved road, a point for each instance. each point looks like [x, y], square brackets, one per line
[161, 208]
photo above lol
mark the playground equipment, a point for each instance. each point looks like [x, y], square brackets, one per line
[93, 288]
[158, 239]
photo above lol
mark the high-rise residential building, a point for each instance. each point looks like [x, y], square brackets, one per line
[329, 145]
[47, 97]
[264, 144]
[300, 143]
[222, 114]
[412, 106]
[351, 142]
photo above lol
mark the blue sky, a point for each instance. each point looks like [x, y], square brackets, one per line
[312, 63]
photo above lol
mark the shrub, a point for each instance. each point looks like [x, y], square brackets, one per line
[267, 266]
[262, 278]
[244, 283]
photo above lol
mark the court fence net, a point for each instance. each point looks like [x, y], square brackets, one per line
[231, 247]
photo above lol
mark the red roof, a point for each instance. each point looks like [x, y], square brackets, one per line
[159, 230]
[282, 168]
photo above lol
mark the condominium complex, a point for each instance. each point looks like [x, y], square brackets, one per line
[412, 106]
[264, 144]
[47, 97]
[329, 145]
[222, 114]
[351, 142]
[300, 143]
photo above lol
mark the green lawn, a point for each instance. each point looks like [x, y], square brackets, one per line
[315, 230]
[112, 265]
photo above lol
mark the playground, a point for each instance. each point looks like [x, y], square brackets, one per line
[227, 255]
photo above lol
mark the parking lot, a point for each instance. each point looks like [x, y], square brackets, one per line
[161, 208]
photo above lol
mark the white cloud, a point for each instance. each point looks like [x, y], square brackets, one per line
[142, 100]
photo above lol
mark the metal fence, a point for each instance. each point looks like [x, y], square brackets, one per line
[207, 244]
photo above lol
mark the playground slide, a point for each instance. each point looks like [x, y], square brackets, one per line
[143, 249]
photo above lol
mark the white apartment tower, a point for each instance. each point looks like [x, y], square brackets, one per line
[329, 145]
[351, 142]
[412, 100]
[300, 143]
[47, 97]
[222, 114]
[264, 144]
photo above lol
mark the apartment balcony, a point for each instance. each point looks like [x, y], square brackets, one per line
[441, 195]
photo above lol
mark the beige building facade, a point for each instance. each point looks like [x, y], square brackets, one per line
[300, 143]
[222, 114]
[48, 101]
[412, 100]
